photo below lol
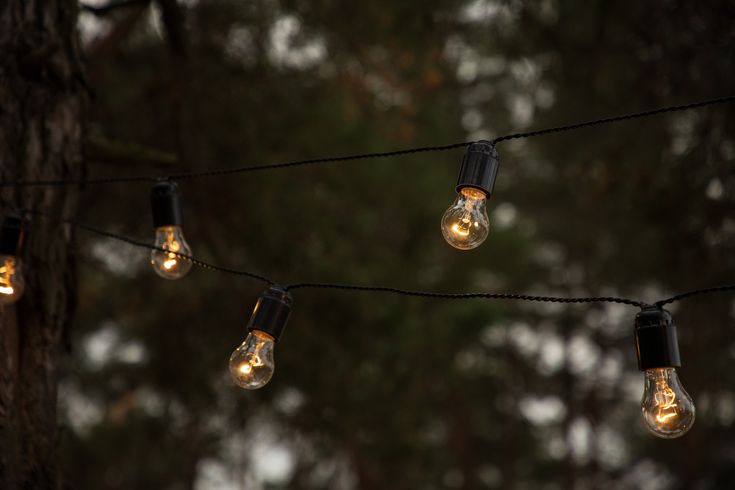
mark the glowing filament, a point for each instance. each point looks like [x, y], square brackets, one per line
[462, 228]
[665, 400]
[171, 262]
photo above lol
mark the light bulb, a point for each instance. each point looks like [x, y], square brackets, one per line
[11, 279]
[12, 232]
[167, 264]
[252, 364]
[465, 224]
[668, 410]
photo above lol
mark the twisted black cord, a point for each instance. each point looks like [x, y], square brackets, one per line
[392, 290]
[625, 117]
[235, 170]
[138, 243]
[363, 156]
[695, 292]
[312, 161]
[430, 294]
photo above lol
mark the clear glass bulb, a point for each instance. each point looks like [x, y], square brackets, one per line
[167, 264]
[11, 279]
[465, 224]
[252, 364]
[668, 410]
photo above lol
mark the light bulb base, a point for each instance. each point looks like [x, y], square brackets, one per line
[271, 312]
[166, 204]
[12, 235]
[657, 345]
[479, 168]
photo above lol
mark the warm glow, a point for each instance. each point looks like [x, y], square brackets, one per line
[6, 271]
[460, 229]
[169, 263]
[665, 399]
[246, 368]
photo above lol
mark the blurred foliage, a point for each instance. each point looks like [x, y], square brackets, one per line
[376, 391]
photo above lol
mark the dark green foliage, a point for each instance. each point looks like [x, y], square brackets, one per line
[385, 392]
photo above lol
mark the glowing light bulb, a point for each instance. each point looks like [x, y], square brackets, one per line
[252, 364]
[11, 279]
[167, 218]
[668, 410]
[166, 264]
[12, 233]
[465, 224]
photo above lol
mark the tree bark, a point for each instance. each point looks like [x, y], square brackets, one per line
[42, 95]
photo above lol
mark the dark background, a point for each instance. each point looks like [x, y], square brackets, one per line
[376, 391]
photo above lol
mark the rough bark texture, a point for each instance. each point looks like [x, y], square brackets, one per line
[41, 101]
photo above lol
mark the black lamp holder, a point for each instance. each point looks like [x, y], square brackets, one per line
[656, 342]
[166, 204]
[271, 312]
[479, 167]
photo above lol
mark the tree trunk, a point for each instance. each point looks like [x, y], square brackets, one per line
[42, 96]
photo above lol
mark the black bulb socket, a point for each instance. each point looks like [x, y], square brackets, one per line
[656, 342]
[479, 167]
[12, 235]
[271, 312]
[166, 204]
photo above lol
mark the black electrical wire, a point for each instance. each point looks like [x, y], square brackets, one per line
[625, 117]
[429, 294]
[695, 292]
[381, 289]
[138, 243]
[362, 156]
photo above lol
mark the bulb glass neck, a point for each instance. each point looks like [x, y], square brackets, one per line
[262, 335]
[472, 193]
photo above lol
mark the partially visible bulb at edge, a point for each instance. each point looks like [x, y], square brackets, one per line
[465, 224]
[166, 264]
[12, 284]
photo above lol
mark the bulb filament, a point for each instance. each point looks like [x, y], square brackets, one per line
[665, 400]
[171, 262]
[462, 228]
[252, 362]
[174, 246]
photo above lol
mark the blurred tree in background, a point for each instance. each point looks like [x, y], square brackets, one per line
[376, 391]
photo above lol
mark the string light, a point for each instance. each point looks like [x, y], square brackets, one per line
[169, 260]
[252, 363]
[465, 224]
[668, 410]
[12, 284]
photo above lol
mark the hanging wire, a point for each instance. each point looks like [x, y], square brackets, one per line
[625, 117]
[357, 287]
[695, 292]
[381, 289]
[363, 156]
[141, 244]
